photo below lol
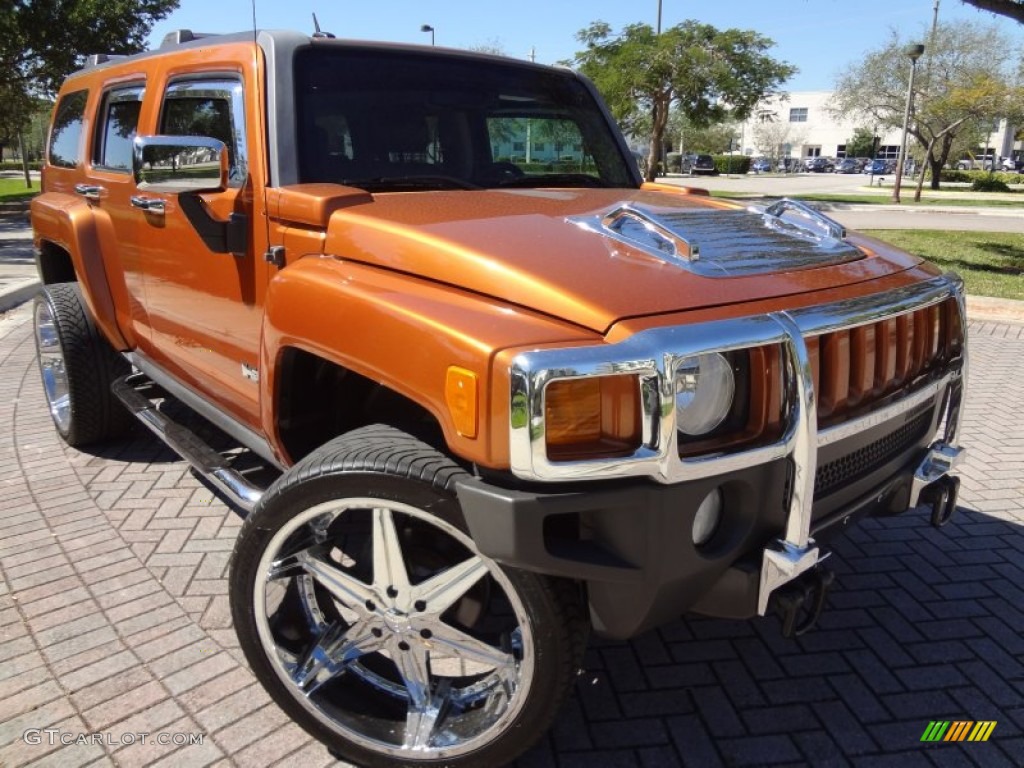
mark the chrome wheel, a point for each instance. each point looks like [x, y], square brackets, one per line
[52, 366]
[384, 623]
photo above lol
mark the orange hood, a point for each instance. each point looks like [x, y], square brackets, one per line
[534, 248]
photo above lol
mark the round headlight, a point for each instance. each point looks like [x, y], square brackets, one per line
[705, 522]
[704, 392]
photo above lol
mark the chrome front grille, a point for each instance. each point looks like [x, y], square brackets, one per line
[855, 367]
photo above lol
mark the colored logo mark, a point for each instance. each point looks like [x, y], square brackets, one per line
[958, 730]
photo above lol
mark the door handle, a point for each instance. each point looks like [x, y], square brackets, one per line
[148, 204]
[89, 191]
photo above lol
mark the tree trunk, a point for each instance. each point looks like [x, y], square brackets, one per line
[929, 162]
[936, 166]
[24, 160]
[659, 121]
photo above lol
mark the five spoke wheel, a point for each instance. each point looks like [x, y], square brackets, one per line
[366, 610]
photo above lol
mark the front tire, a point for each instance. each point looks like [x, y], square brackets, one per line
[78, 366]
[366, 611]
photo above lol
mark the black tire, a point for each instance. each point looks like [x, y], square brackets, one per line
[378, 489]
[77, 366]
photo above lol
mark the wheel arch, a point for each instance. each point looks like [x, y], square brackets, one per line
[318, 399]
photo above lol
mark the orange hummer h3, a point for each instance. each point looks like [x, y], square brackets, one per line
[506, 392]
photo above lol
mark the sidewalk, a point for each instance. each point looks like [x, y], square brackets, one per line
[18, 278]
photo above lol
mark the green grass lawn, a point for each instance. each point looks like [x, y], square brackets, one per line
[856, 199]
[991, 263]
[967, 202]
[12, 190]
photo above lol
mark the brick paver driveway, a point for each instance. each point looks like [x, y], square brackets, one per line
[114, 621]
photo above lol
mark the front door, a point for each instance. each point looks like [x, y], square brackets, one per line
[204, 285]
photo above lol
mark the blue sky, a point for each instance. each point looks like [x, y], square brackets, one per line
[820, 37]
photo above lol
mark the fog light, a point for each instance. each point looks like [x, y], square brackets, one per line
[705, 522]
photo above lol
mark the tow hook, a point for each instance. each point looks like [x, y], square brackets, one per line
[941, 496]
[800, 603]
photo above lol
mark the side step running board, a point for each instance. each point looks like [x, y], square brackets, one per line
[183, 441]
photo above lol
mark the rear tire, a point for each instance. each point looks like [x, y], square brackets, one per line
[365, 610]
[78, 366]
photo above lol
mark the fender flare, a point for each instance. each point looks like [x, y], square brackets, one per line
[69, 223]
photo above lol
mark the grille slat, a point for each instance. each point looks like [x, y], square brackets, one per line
[856, 366]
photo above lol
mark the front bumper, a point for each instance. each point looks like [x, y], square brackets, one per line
[783, 473]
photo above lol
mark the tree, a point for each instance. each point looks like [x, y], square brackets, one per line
[773, 136]
[709, 75]
[1013, 9]
[43, 41]
[861, 144]
[965, 81]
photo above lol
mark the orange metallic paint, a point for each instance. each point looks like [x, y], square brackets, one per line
[516, 245]
[312, 204]
[404, 333]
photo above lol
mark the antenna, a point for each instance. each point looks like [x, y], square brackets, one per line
[318, 33]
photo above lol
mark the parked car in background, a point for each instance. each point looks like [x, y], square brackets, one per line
[699, 163]
[821, 165]
[847, 165]
[761, 165]
[877, 167]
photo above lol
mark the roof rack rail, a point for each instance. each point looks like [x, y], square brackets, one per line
[179, 36]
[95, 59]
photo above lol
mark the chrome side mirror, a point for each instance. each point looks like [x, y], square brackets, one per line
[176, 164]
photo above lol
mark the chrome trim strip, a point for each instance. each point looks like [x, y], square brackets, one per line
[243, 434]
[856, 426]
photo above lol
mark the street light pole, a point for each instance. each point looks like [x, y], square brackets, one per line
[914, 52]
[430, 29]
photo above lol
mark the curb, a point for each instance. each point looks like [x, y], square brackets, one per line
[18, 292]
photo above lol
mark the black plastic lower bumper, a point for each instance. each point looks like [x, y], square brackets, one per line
[632, 542]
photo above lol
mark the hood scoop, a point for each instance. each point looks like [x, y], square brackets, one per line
[787, 235]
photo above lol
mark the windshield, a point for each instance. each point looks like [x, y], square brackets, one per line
[388, 120]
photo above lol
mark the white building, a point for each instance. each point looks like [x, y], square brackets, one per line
[799, 124]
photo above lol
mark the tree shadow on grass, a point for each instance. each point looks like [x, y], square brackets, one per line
[1005, 251]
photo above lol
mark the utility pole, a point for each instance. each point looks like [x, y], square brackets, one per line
[529, 138]
[913, 52]
[659, 16]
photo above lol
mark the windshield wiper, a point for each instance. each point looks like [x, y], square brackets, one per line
[423, 181]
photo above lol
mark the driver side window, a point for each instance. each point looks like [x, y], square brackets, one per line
[213, 108]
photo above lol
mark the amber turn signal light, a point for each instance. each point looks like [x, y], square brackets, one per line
[590, 418]
[460, 395]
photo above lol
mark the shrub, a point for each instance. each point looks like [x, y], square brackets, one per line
[732, 164]
[675, 162]
[969, 177]
[15, 165]
[990, 184]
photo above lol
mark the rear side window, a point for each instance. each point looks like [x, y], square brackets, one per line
[119, 118]
[66, 133]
